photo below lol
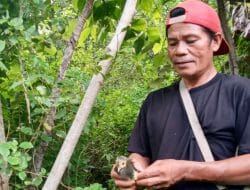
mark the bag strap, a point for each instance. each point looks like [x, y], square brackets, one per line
[195, 125]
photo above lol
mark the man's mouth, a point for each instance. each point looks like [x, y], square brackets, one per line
[182, 62]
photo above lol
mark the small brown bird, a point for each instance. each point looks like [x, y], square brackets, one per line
[125, 168]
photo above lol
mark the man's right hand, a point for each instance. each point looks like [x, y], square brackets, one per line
[123, 184]
[140, 163]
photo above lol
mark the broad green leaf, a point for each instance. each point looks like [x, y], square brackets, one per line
[13, 40]
[139, 25]
[4, 150]
[154, 34]
[27, 182]
[84, 35]
[51, 51]
[69, 29]
[138, 44]
[61, 134]
[3, 20]
[2, 45]
[17, 23]
[78, 5]
[30, 32]
[42, 90]
[13, 145]
[16, 84]
[27, 130]
[157, 48]
[36, 2]
[159, 59]
[37, 181]
[24, 158]
[26, 145]
[94, 32]
[22, 175]
[147, 5]
[43, 171]
[13, 160]
[3, 67]
[46, 138]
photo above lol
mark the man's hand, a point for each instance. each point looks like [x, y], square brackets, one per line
[162, 173]
[121, 182]
[139, 162]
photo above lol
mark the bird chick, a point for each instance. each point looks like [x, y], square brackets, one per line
[125, 168]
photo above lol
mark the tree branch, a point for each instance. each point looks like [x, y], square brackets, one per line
[50, 117]
[228, 36]
[79, 122]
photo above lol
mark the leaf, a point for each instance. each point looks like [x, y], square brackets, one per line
[2, 45]
[17, 23]
[42, 90]
[157, 48]
[15, 84]
[30, 32]
[26, 145]
[36, 2]
[12, 145]
[4, 150]
[159, 59]
[3, 20]
[3, 67]
[154, 34]
[147, 5]
[22, 175]
[61, 134]
[37, 181]
[51, 51]
[139, 25]
[84, 35]
[78, 5]
[139, 43]
[27, 131]
[46, 138]
[13, 160]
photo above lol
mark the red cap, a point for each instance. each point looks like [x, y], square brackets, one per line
[197, 12]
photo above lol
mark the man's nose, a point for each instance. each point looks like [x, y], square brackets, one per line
[181, 49]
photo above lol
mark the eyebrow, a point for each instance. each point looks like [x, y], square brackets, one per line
[184, 36]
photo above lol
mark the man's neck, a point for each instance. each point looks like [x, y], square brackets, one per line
[193, 82]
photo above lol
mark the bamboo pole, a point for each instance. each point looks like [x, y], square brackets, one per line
[84, 110]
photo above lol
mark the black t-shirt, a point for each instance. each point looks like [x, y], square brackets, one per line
[162, 129]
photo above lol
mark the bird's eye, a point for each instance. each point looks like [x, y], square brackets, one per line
[123, 163]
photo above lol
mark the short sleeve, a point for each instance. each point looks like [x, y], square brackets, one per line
[242, 125]
[139, 139]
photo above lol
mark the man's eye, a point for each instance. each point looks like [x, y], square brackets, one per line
[172, 43]
[191, 41]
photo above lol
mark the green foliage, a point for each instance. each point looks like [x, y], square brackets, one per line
[33, 37]
[14, 161]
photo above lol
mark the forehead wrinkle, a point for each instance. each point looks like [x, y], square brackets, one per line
[185, 30]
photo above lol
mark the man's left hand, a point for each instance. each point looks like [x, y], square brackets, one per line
[162, 173]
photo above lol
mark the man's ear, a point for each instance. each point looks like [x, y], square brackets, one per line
[216, 41]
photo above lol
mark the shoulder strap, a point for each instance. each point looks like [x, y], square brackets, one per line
[195, 124]
[196, 127]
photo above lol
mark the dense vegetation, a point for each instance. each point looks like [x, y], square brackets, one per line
[33, 37]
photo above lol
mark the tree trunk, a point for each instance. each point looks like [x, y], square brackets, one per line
[228, 37]
[79, 122]
[50, 117]
[4, 180]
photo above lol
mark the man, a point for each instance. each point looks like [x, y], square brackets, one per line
[162, 144]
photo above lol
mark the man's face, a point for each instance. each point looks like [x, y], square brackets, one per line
[190, 49]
